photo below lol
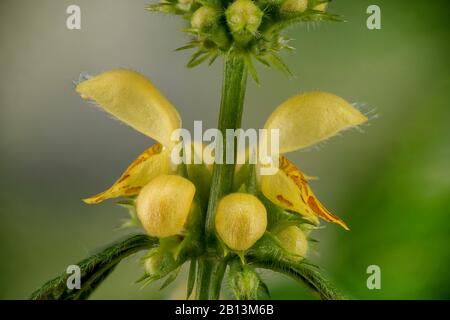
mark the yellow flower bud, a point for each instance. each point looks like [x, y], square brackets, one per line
[294, 240]
[294, 6]
[241, 219]
[321, 7]
[244, 15]
[164, 204]
[152, 265]
[204, 17]
[185, 4]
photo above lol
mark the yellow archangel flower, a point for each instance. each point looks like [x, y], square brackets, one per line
[302, 120]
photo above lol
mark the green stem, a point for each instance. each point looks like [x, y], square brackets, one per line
[231, 108]
[206, 265]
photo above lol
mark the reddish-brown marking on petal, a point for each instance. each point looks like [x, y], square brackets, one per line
[284, 200]
[325, 214]
[124, 177]
[133, 190]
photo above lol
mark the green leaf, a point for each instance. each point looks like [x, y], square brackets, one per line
[302, 272]
[94, 270]
[188, 46]
[278, 63]
[191, 277]
[251, 68]
[218, 278]
[197, 58]
[171, 278]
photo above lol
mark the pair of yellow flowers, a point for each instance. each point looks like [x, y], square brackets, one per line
[164, 198]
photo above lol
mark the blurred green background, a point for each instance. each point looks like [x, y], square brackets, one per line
[391, 182]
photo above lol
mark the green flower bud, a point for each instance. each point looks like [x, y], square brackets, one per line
[185, 5]
[321, 7]
[294, 6]
[244, 16]
[241, 220]
[204, 17]
[293, 240]
[152, 265]
[245, 283]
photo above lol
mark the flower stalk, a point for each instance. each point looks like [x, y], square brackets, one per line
[231, 109]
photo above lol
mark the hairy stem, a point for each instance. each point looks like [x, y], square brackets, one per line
[231, 108]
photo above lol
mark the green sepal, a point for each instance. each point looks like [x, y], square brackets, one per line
[246, 283]
[130, 205]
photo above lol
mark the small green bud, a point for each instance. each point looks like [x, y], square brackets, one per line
[152, 265]
[185, 5]
[204, 17]
[244, 16]
[321, 7]
[294, 6]
[293, 240]
[245, 283]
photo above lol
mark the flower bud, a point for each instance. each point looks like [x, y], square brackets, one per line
[204, 17]
[321, 7]
[293, 240]
[245, 283]
[244, 15]
[241, 219]
[163, 205]
[185, 5]
[152, 264]
[294, 6]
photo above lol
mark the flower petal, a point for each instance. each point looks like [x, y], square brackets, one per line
[309, 118]
[289, 189]
[133, 99]
[152, 162]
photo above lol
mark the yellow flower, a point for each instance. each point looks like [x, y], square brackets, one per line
[133, 99]
[303, 121]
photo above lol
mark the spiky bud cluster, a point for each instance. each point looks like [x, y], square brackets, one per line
[249, 27]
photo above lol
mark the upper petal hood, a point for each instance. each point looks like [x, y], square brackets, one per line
[133, 99]
[309, 118]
